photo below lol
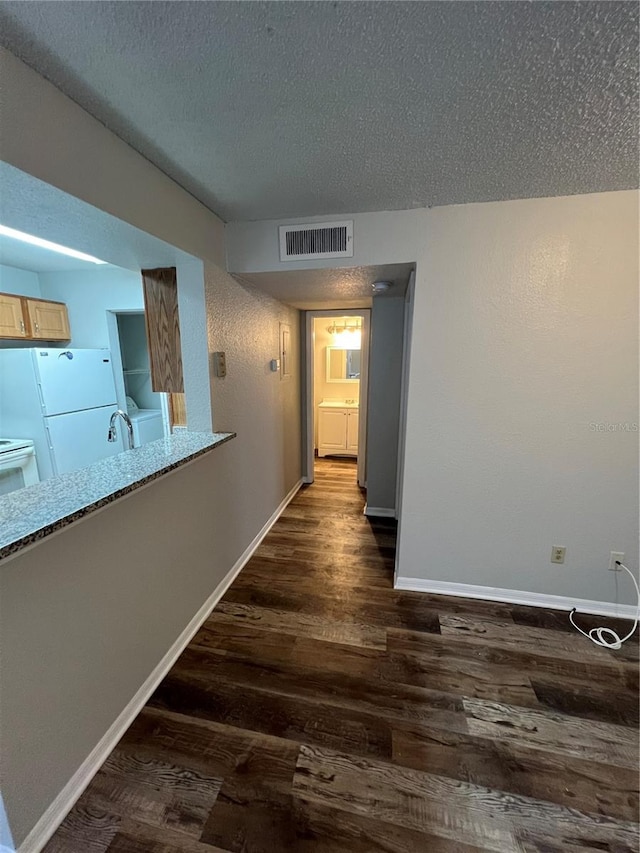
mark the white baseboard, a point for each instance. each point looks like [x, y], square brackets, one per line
[517, 596]
[379, 511]
[64, 802]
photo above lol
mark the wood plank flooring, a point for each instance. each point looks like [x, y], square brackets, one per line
[318, 710]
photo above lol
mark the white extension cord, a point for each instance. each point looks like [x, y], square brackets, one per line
[599, 635]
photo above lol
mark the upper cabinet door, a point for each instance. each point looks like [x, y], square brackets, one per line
[163, 329]
[49, 321]
[12, 323]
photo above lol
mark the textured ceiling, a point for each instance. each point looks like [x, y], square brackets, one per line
[42, 210]
[349, 287]
[14, 253]
[282, 109]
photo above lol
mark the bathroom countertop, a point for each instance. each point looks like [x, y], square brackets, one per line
[337, 404]
[28, 515]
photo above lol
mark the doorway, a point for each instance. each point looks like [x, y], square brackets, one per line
[150, 411]
[337, 362]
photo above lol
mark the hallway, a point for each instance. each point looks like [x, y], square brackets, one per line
[319, 711]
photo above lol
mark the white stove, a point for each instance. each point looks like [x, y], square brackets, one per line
[18, 466]
[9, 444]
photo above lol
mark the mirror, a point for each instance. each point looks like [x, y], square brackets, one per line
[343, 365]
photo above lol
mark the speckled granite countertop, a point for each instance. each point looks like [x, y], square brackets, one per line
[30, 514]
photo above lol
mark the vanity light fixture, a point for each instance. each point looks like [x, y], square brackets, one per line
[380, 286]
[47, 244]
[346, 334]
[338, 329]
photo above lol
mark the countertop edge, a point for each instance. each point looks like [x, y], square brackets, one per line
[82, 512]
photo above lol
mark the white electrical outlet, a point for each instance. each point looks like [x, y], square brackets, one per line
[557, 553]
[613, 556]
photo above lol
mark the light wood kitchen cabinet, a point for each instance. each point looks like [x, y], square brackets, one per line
[12, 319]
[48, 321]
[337, 430]
[33, 319]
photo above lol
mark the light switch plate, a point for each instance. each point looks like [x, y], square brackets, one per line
[219, 364]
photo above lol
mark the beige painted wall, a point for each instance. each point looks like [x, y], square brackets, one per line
[87, 614]
[77, 154]
[524, 334]
[259, 405]
[525, 342]
[385, 381]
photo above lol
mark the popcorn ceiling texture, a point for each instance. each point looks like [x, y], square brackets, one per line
[267, 110]
[321, 288]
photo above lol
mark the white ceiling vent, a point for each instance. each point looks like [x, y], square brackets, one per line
[324, 240]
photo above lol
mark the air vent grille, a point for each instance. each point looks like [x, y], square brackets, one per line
[325, 240]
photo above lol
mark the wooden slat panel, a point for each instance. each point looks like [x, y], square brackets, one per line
[163, 329]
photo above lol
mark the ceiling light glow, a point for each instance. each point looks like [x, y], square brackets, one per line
[346, 335]
[47, 244]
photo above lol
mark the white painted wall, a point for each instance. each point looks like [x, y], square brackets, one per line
[385, 382]
[89, 295]
[20, 282]
[525, 337]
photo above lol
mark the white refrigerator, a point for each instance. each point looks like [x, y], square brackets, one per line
[62, 400]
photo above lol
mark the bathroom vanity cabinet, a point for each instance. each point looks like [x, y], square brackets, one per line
[338, 429]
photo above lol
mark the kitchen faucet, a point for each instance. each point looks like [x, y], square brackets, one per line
[113, 434]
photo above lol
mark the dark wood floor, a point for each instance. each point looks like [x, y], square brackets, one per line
[320, 711]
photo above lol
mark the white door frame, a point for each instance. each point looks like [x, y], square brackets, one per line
[409, 300]
[404, 387]
[308, 408]
[116, 361]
